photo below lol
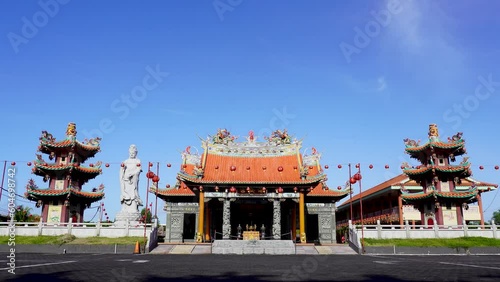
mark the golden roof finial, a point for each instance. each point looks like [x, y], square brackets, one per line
[433, 130]
[71, 129]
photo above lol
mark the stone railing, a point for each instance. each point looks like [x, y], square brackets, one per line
[79, 230]
[407, 231]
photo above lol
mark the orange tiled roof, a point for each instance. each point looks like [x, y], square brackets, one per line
[386, 184]
[319, 191]
[174, 192]
[255, 169]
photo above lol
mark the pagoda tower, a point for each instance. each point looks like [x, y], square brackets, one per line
[64, 199]
[442, 200]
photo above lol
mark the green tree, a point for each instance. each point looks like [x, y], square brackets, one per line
[496, 217]
[148, 215]
[22, 214]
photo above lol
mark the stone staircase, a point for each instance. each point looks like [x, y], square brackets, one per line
[244, 247]
[182, 249]
[334, 249]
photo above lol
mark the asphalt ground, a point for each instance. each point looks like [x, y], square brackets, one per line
[147, 267]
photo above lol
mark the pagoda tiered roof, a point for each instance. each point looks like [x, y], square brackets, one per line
[34, 193]
[82, 172]
[87, 149]
[454, 146]
[426, 172]
[469, 195]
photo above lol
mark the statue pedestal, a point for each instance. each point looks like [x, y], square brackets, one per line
[133, 218]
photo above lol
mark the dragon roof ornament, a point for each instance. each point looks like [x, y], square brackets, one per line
[279, 137]
[223, 136]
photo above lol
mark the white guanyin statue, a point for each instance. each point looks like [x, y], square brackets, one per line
[129, 188]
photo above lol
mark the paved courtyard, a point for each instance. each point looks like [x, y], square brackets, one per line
[148, 267]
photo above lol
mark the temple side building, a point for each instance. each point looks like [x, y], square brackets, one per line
[433, 192]
[268, 190]
[384, 203]
[65, 174]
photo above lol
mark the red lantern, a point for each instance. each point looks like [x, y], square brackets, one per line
[122, 165]
[280, 168]
[91, 165]
[496, 167]
[352, 180]
[13, 163]
[370, 166]
[264, 168]
[357, 165]
[357, 176]
[232, 190]
[29, 163]
[169, 165]
[311, 167]
[216, 188]
[139, 164]
[481, 167]
[264, 189]
[339, 188]
[106, 165]
[386, 166]
[168, 186]
[150, 164]
[233, 168]
[339, 166]
[326, 166]
[156, 179]
[150, 174]
[248, 189]
[280, 190]
[248, 168]
[216, 167]
[294, 167]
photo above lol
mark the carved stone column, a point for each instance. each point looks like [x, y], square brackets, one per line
[276, 219]
[226, 219]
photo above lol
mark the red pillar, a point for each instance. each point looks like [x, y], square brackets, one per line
[460, 216]
[480, 203]
[400, 209]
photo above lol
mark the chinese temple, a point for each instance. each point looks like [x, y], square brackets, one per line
[384, 203]
[250, 190]
[65, 174]
[434, 192]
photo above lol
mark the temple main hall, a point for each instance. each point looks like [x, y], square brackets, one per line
[252, 189]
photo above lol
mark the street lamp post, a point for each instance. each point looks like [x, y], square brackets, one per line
[350, 190]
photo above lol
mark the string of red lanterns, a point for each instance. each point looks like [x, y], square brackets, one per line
[233, 168]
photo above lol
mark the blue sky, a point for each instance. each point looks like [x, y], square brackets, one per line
[250, 65]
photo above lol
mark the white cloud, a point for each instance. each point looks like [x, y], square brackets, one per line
[421, 37]
[382, 85]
